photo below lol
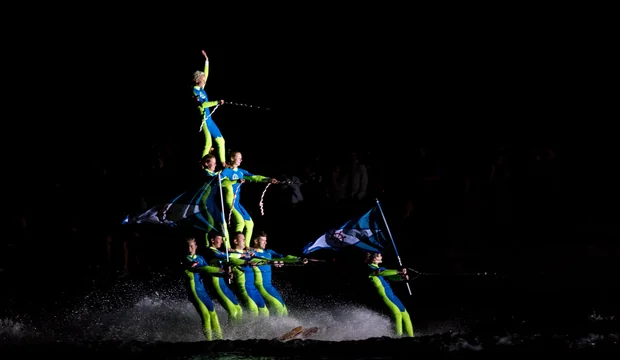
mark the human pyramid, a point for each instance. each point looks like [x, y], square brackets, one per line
[240, 259]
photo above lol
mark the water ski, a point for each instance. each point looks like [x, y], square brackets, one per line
[309, 332]
[291, 334]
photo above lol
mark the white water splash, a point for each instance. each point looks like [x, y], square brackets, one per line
[138, 313]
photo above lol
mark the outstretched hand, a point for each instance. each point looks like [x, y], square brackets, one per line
[205, 55]
[273, 181]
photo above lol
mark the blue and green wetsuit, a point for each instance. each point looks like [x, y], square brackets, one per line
[196, 270]
[262, 279]
[244, 284]
[219, 285]
[210, 204]
[208, 125]
[241, 218]
[379, 277]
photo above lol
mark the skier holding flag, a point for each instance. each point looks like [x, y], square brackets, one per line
[379, 277]
[365, 233]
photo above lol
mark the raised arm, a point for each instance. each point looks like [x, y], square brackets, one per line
[197, 89]
[206, 69]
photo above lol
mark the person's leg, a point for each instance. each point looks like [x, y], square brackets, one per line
[399, 314]
[248, 224]
[397, 317]
[219, 140]
[215, 325]
[258, 300]
[208, 141]
[237, 221]
[221, 149]
[219, 216]
[244, 297]
[270, 295]
[248, 230]
[227, 299]
[273, 299]
[203, 311]
[210, 319]
[206, 206]
[407, 324]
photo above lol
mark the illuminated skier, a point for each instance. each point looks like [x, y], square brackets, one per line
[197, 273]
[243, 278]
[379, 277]
[241, 220]
[209, 128]
[219, 285]
[262, 273]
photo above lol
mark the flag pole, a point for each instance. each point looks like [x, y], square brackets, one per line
[224, 232]
[400, 263]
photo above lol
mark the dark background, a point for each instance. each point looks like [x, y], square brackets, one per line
[108, 89]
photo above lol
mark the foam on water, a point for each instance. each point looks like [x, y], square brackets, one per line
[152, 318]
[134, 312]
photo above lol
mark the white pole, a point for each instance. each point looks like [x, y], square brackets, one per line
[393, 243]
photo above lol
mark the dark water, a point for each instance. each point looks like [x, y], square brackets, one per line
[148, 316]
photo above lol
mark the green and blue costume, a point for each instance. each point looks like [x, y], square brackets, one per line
[262, 279]
[197, 272]
[209, 128]
[242, 221]
[210, 204]
[219, 285]
[379, 277]
[243, 278]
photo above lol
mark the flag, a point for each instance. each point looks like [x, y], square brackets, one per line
[364, 232]
[197, 208]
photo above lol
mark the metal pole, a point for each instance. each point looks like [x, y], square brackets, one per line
[393, 243]
[224, 232]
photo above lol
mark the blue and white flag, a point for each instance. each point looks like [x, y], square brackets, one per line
[197, 208]
[364, 232]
